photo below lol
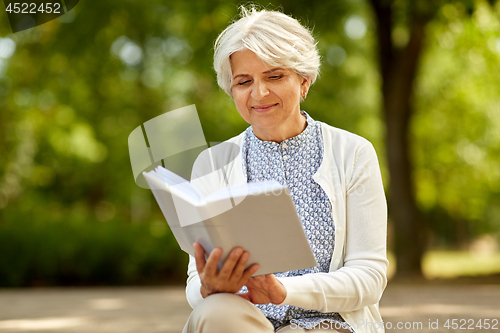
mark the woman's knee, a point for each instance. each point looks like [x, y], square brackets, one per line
[219, 305]
[227, 313]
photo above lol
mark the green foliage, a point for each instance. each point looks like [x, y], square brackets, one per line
[47, 252]
[457, 124]
[70, 96]
[76, 87]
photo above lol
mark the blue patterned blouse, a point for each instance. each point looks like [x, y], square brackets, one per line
[293, 162]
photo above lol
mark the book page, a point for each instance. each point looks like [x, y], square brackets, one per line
[243, 190]
[177, 184]
[185, 235]
[184, 200]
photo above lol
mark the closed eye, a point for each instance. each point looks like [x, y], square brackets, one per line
[243, 83]
[276, 77]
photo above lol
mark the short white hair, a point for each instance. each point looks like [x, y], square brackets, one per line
[276, 38]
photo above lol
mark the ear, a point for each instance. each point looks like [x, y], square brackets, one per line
[304, 86]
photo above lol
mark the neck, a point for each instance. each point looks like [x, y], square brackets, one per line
[282, 132]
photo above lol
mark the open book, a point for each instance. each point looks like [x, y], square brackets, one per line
[259, 217]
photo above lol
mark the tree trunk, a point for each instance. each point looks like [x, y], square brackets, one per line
[398, 70]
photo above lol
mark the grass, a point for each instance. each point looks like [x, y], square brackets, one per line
[444, 264]
[453, 264]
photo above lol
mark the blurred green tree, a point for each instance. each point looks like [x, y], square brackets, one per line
[73, 89]
[401, 36]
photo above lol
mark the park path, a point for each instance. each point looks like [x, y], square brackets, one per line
[405, 307]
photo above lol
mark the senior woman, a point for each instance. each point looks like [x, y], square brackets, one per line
[266, 61]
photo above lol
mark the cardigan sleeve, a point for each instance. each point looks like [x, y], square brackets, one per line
[193, 293]
[204, 180]
[362, 279]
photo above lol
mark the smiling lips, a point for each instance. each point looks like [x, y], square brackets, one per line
[263, 108]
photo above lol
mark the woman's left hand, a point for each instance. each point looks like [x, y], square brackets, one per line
[264, 289]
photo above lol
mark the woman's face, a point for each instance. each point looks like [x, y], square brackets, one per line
[267, 97]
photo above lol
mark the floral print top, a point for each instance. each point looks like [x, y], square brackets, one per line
[293, 162]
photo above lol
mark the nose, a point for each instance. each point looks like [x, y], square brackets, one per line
[259, 90]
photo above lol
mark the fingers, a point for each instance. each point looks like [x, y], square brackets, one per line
[208, 266]
[254, 282]
[231, 277]
[199, 255]
[249, 272]
[213, 261]
[231, 261]
[239, 269]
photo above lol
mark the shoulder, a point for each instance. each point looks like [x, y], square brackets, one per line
[348, 153]
[343, 142]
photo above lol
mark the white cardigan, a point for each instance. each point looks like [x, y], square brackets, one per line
[350, 176]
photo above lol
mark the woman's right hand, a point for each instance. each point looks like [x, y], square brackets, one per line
[231, 277]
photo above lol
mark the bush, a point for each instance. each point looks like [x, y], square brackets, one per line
[88, 253]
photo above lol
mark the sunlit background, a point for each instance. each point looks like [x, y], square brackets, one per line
[73, 89]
